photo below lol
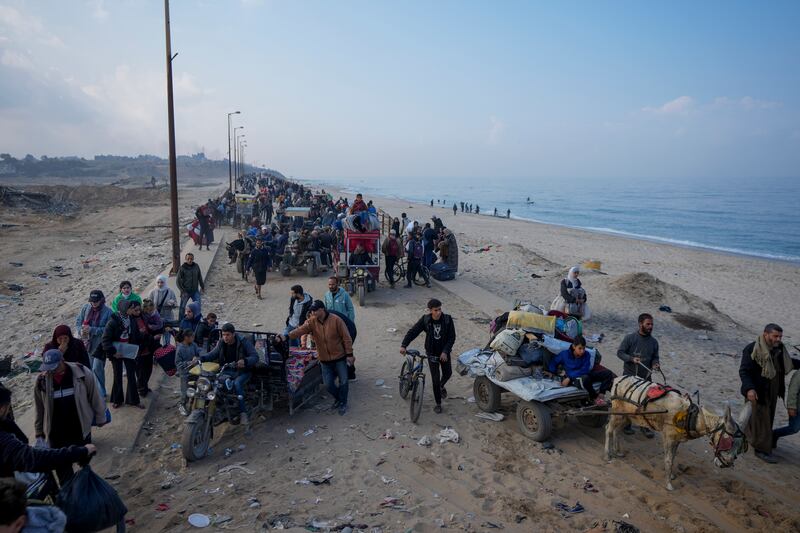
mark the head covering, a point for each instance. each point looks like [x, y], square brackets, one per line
[392, 232]
[51, 359]
[122, 307]
[162, 277]
[59, 331]
[195, 307]
[572, 275]
[96, 296]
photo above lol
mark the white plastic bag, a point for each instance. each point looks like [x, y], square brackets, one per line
[508, 341]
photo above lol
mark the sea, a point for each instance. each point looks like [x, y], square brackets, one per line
[758, 218]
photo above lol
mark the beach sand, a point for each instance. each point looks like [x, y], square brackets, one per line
[494, 476]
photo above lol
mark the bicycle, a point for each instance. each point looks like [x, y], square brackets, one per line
[400, 269]
[412, 379]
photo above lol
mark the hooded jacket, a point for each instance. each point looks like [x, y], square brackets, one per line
[340, 302]
[90, 403]
[192, 323]
[302, 306]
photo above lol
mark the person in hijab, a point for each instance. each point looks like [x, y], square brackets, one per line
[164, 298]
[191, 317]
[73, 350]
[150, 328]
[572, 297]
[121, 329]
[125, 293]
[91, 322]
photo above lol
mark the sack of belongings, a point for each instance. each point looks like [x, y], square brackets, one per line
[531, 322]
[506, 372]
[508, 341]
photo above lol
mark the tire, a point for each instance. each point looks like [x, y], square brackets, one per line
[399, 272]
[415, 407]
[419, 279]
[534, 420]
[196, 436]
[286, 270]
[487, 394]
[405, 380]
[362, 290]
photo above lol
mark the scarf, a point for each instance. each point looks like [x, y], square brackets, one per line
[94, 313]
[762, 357]
[572, 276]
[161, 294]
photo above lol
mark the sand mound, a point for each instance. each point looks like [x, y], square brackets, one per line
[88, 196]
[645, 288]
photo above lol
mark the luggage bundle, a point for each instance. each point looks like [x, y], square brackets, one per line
[165, 357]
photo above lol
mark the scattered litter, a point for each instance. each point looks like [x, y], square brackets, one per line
[391, 330]
[448, 435]
[161, 507]
[212, 491]
[199, 520]
[228, 452]
[236, 466]
[471, 399]
[626, 515]
[15, 264]
[587, 486]
[253, 503]
[665, 308]
[15, 287]
[379, 382]
[221, 519]
[567, 510]
[386, 396]
[388, 435]
[119, 450]
[547, 445]
[132, 269]
[624, 527]
[703, 337]
[392, 503]
[319, 479]
[257, 325]
[596, 337]
[424, 441]
[492, 525]
[175, 446]
[290, 431]
[308, 432]
[496, 417]
[387, 480]
[725, 353]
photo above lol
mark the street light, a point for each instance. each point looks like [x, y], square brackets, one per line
[238, 144]
[230, 175]
[236, 174]
[241, 153]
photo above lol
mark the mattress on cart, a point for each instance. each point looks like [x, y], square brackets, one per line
[298, 363]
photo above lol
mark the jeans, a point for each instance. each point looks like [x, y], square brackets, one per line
[99, 369]
[185, 297]
[239, 387]
[332, 370]
[438, 381]
[317, 258]
[790, 429]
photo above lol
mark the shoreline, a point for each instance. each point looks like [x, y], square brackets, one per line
[689, 245]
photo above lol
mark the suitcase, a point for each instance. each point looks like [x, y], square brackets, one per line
[165, 357]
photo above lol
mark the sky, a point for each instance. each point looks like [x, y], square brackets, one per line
[703, 91]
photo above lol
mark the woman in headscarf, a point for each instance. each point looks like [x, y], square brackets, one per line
[125, 293]
[164, 299]
[150, 328]
[191, 317]
[572, 297]
[72, 349]
[120, 330]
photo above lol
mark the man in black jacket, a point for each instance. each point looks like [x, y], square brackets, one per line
[17, 456]
[190, 283]
[440, 335]
[763, 370]
[299, 305]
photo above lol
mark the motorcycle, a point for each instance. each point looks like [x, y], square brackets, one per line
[213, 401]
[360, 282]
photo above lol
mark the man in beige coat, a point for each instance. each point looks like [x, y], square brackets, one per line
[68, 402]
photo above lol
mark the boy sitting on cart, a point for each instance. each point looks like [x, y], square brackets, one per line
[579, 371]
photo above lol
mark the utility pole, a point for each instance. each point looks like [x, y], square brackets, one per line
[230, 175]
[173, 170]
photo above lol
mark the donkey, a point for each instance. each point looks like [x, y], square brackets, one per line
[676, 418]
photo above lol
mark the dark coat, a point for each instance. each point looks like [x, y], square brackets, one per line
[16, 455]
[244, 350]
[111, 334]
[566, 287]
[426, 324]
[750, 374]
[303, 313]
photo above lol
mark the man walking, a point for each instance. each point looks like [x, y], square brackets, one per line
[334, 349]
[392, 250]
[91, 322]
[455, 209]
[190, 283]
[639, 351]
[67, 402]
[299, 305]
[440, 335]
[762, 371]
[415, 253]
[259, 261]
[337, 299]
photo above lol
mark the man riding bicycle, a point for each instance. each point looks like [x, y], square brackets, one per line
[440, 335]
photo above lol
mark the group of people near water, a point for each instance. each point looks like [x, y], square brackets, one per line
[469, 208]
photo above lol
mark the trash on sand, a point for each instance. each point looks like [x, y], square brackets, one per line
[390, 330]
[319, 479]
[119, 450]
[228, 452]
[386, 396]
[15, 287]
[547, 445]
[379, 382]
[14, 263]
[388, 435]
[496, 417]
[387, 480]
[175, 446]
[221, 519]
[448, 435]
[161, 507]
[587, 486]
[393, 503]
[236, 466]
[492, 525]
[624, 527]
[665, 308]
[471, 399]
[308, 432]
[703, 338]
[290, 431]
[424, 441]
[199, 520]
[575, 509]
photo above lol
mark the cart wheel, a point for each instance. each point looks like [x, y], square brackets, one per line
[361, 294]
[285, 269]
[487, 394]
[534, 420]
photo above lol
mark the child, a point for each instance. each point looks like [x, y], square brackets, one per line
[186, 351]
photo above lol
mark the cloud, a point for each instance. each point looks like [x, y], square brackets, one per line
[14, 59]
[679, 106]
[496, 127]
[99, 11]
[746, 102]
[24, 26]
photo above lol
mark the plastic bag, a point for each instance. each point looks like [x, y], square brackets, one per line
[90, 503]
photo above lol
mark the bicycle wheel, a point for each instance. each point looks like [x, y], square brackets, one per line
[399, 272]
[415, 407]
[419, 279]
[405, 380]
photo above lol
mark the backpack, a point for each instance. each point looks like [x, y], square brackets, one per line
[351, 328]
[393, 248]
[416, 250]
